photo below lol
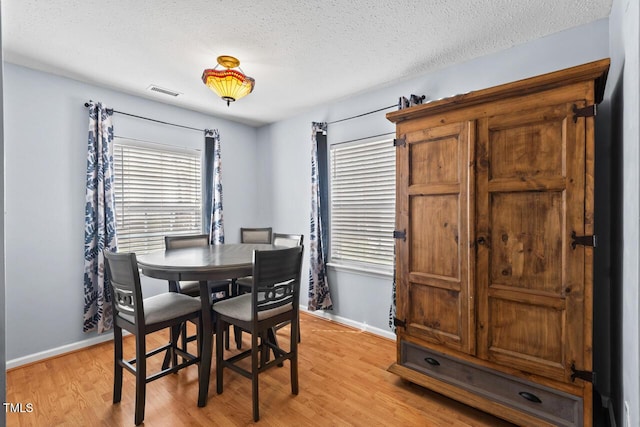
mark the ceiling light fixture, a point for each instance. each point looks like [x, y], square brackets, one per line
[228, 83]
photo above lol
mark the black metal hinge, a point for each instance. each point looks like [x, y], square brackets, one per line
[583, 375]
[399, 142]
[400, 235]
[590, 240]
[398, 322]
[588, 111]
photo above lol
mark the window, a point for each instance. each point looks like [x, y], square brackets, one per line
[157, 191]
[363, 203]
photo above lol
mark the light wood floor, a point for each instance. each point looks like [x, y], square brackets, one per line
[343, 382]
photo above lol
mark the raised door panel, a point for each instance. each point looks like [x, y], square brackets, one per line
[530, 198]
[433, 272]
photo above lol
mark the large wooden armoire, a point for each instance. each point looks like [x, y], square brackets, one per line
[494, 246]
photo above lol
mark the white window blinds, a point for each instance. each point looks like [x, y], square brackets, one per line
[157, 191]
[362, 203]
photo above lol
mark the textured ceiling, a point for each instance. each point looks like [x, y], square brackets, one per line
[301, 53]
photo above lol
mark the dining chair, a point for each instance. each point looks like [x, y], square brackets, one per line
[239, 285]
[288, 241]
[255, 235]
[274, 299]
[244, 284]
[144, 316]
[192, 288]
[279, 239]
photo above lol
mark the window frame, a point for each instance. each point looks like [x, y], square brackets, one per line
[195, 190]
[359, 266]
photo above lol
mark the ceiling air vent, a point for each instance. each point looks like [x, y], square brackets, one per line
[154, 88]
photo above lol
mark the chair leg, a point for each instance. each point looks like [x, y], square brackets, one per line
[117, 367]
[170, 357]
[219, 354]
[183, 329]
[174, 333]
[294, 356]
[264, 348]
[199, 349]
[234, 287]
[141, 377]
[237, 332]
[254, 376]
[272, 337]
[282, 325]
[199, 340]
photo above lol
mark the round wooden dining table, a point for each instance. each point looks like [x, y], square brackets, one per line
[213, 262]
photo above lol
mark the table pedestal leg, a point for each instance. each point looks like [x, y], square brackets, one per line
[207, 344]
[170, 357]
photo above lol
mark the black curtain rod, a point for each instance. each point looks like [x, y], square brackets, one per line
[363, 114]
[86, 104]
[365, 137]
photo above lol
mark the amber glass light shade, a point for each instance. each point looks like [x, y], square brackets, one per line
[230, 84]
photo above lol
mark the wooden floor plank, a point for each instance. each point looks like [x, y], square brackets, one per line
[343, 382]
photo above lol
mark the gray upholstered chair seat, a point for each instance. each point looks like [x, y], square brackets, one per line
[240, 308]
[190, 288]
[169, 305]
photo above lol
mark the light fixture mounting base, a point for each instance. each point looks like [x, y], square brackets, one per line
[228, 61]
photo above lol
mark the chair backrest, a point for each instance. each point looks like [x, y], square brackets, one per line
[186, 241]
[124, 278]
[255, 235]
[287, 240]
[276, 279]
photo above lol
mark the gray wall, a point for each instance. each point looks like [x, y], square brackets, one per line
[45, 157]
[623, 98]
[363, 299]
[266, 182]
[3, 350]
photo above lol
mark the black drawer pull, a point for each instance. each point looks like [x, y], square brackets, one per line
[530, 397]
[431, 361]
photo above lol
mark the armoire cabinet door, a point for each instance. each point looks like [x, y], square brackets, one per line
[530, 279]
[433, 271]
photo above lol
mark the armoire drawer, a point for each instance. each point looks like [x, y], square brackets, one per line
[553, 406]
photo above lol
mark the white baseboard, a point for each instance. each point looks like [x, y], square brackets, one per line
[36, 357]
[349, 322]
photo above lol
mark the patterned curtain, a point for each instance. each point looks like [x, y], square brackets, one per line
[213, 183]
[100, 223]
[319, 296]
